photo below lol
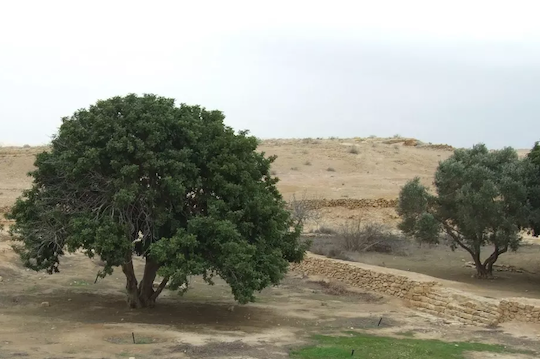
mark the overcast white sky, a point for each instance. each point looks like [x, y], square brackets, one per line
[457, 72]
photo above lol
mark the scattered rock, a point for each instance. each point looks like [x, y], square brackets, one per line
[231, 308]
[501, 268]
[45, 304]
[1, 279]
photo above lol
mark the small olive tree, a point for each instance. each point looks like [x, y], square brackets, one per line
[481, 199]
[140, 176]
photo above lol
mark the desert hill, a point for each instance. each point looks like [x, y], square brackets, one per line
[332, 169]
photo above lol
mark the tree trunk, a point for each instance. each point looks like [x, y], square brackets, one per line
[490, 261]
[142, 295]
[132, 290]
[482, 271]
[146, 290]
[485, 269]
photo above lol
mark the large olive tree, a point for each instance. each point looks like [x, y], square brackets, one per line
[480, 200]
[140, 176]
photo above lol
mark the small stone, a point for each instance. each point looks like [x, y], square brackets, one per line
[45, 304]
[1, 279]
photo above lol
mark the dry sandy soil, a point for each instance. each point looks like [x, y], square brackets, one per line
[87, 320]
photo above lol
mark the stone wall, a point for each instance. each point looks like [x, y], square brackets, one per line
[455, 305]
[352, 203]
[423, 293]
[520, 309]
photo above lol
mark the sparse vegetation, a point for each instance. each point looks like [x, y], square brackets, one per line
[302, 211]
[336, 253]
[307, 163]
[357, 236]
[331, 169]
[294, 168]
[324, 230]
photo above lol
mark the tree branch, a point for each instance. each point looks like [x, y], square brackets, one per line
[455, 237]
[160, 288]
[495, 255]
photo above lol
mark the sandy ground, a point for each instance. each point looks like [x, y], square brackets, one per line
[377, 170]
[87, 320]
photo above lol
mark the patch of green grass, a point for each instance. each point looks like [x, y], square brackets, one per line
[375, 347]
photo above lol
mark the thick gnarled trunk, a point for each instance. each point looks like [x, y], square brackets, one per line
[482, 271]
[142, 295]
[485, 269]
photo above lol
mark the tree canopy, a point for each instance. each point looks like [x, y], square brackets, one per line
[534, 189]
[138, 175]
[480, 199]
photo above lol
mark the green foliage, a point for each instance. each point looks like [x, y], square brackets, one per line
[375, 347]
[480, 199]
[534, 188]
[140, 175]
[534, 154]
